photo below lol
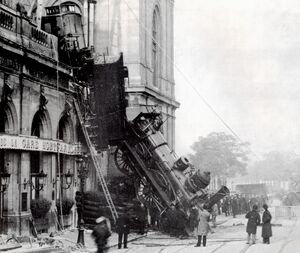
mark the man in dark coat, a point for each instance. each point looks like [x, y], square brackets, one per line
[122, 225]
[235, 206]
[171, 219]
[141, 217]
[227, 206]
[253, 220]
[181, 222]
[101, 233]
[266, 232]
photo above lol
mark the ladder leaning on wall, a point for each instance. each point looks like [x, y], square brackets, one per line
[93, 153]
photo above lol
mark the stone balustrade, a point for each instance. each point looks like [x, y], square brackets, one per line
[20, 30]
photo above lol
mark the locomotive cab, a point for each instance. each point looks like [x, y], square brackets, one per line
[65, 22]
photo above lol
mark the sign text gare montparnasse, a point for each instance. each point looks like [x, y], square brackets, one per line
[34, 144]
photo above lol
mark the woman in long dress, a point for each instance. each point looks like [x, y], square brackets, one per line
[203, 226]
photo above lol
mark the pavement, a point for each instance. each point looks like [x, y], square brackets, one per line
[66, 241]
[229, 236]
[62, 242]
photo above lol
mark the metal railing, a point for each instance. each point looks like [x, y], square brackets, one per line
[20, 30]
[288, 212]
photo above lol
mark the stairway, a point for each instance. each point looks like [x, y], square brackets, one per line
[90, 133]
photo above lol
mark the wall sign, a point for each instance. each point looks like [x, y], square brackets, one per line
[36, 144]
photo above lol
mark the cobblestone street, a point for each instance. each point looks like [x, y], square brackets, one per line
[229, 236]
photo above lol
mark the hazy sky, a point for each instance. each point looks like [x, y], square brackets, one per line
[244, 59]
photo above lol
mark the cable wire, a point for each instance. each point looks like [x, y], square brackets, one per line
[182, 74]
[190, 83]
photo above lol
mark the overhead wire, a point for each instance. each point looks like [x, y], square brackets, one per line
[182, 73]
[190, 83]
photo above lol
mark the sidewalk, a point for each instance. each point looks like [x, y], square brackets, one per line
[63, 242]
[69, 240]
[66, 241]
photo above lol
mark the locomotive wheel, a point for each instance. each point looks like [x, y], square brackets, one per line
[141, 149]
[164, 184]
[123, 161]
[146, 195]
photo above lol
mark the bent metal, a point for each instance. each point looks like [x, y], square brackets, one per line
[34, 144]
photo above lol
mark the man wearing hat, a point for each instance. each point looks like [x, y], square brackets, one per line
[171, 219]
[266, 231]
[123, 228]
[253, 220]
[101, 232]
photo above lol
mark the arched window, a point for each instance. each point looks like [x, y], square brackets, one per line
[64, 133]
[40, 128]
[155, 46]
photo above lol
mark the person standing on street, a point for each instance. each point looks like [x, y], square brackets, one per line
[235, 206]
[123, 224]
[214, 214]
[253, 220]
[141, 213]
[101, 233]
[171, 218]
[266, 232]
[203, 226]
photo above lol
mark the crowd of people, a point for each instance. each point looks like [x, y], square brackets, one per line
[197, 222]
[240, 204]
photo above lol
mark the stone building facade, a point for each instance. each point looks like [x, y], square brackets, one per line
[143, 31]
[40, 140]
[38, 125]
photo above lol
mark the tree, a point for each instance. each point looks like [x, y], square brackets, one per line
[221, 154]
[276, 165]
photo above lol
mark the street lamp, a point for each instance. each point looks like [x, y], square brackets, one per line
[4, 181]
[82, 167]
[68, 179]
[41, 176]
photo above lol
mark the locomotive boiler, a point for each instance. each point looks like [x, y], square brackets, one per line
[161, 177]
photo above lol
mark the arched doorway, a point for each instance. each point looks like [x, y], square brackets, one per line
[40, 128]
[8, 162]
[65, 132]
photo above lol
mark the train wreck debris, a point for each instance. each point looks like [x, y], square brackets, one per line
[162, 178]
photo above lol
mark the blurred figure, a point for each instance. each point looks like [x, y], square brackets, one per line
[193, 218]
[253, 220]
[181, 220]
[203, 226]
[214, 214]
[266, 232]
[122, 227]
[141, 213]
[101, 233]
[171, 218]
[234, 206]
[226, 206]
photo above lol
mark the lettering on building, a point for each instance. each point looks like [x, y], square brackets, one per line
[35, 144]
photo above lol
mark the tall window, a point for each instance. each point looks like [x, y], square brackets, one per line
[155, 46]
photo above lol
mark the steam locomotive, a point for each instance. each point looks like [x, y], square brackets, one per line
[161, 177]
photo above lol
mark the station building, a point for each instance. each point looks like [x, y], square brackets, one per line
[143, 31]
[40, 137]
[38, 125]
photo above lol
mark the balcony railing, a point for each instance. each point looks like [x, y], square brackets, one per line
[6, 20]
[22, 31]
[6, 2]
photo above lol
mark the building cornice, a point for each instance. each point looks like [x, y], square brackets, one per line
[155, 94]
